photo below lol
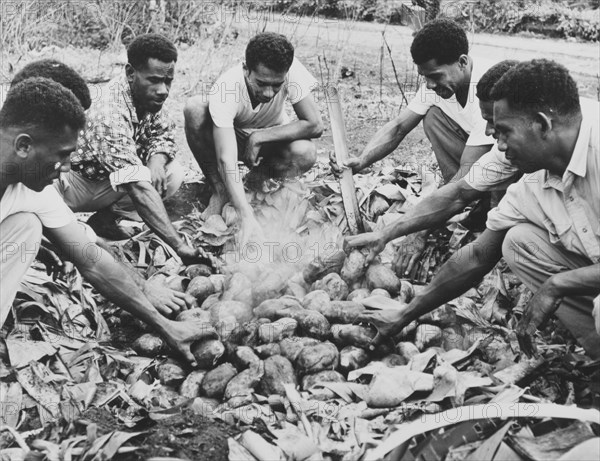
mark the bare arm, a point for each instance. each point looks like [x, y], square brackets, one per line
[388, 138]
[308, 126]
[434, 210]
[227, 155]
[113, 281]
[462, 271]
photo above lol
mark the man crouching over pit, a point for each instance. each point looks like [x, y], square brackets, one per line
[244, 118]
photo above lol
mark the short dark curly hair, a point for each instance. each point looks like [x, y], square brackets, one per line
[41, 103]
[147, 46]
[491, 77]
[59, 72]
[441, 39]
[274, 51]
[539, 85]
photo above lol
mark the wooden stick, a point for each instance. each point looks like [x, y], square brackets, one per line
[338, 131]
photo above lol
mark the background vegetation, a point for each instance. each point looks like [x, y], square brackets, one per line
[100, 24]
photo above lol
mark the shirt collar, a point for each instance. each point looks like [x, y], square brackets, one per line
[578, 163]
[125, 90]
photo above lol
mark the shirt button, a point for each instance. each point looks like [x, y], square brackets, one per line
[584, 230]
[571, 198]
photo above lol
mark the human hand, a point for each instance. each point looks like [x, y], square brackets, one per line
[191, 255]
[158, 173]
[251, 155]
[387, 322]
[250, 231]
[180, 336]
[408, 253]
[354, 163]
[539, 309]
[55, 266]
[164, 299]
[374, 241]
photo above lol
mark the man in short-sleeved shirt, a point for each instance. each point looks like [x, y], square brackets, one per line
[244, 118]
[446, 103]
[124, 164]
[547, 226]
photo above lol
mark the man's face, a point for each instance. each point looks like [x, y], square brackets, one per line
[519, 138]
[49, 156]
[444, 79]
[263, 83]
[150, 84]
[487, 113]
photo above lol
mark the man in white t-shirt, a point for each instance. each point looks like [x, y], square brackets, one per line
[492, 172]
[446, 103]
[39, 125]
[547, 226]
[244, 118]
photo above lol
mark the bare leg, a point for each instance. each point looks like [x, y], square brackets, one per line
[199, 135]
[287, 160]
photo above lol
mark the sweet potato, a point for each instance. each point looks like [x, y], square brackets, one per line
[316, 300]
[311, 323]
[170, 373]
[407, 292]
[353, 335]
[148, 345]
[352, 358]
[194, 270]
[245, 382]
[381, 292]
[442, 316]
[278, 371]
[194, 314]
[210, 301]
[322, 266]
[342, 311]
[291, 347]
[245, 334]
[333, 285]
[353, 268]
[241, 311]
[207, 352]
[267, 350]
[215, 381]
[322, 356]
[238, 288]
[276, 331]
[380, 276]
[269, 286]
[326, 376]
[358, 294]
[407, 350]
[190, 387]
[273, 309]
[200, 288]
[177, 282]
[244, 357]
[294, 289]
[218, 281]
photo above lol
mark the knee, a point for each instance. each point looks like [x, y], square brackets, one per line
[196, 113]
[20, 231]
[175, 176]
[305, 155]
[519, 244]
[430, 120]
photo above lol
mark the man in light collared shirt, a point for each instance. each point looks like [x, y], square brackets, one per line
[547, 226]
